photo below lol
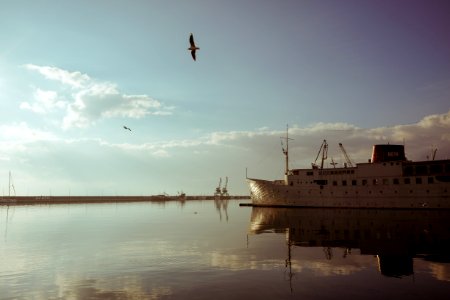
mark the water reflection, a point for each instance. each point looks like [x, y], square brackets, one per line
[161, 251]
[395, 237]
[221, 203]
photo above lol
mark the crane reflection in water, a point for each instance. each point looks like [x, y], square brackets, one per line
[221, 198]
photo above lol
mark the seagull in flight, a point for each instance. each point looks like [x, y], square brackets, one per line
[126, 128]
[193, 47]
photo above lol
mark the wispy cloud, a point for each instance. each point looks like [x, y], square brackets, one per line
[22, 133]
[88, 100]
[193, 164]
[73, 79]
[44, 102]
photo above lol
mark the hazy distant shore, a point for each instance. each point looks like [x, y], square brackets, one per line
[104, 199]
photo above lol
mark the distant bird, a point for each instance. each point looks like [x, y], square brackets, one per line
[193, 47]
[126, 128]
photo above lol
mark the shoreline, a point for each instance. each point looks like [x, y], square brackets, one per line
[17, 200]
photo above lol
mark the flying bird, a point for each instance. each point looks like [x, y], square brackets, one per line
[126, 128]
[193, 47]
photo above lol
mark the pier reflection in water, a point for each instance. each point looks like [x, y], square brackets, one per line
[216, 249]
[394, 237]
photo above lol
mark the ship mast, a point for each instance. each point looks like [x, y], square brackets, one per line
[286, 150]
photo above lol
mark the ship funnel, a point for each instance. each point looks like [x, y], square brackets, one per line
[384, 153]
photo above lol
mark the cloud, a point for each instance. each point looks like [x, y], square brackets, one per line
[73, 79]
[432, 130]
[45, 102]
[195, 165]
[89, 100]
[21, 133]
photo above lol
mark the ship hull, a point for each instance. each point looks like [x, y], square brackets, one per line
[275, 194]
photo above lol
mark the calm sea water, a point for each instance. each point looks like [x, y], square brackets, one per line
[219, 250]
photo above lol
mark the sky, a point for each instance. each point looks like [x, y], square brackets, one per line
[73, 73]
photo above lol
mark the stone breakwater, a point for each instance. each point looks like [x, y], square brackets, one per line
[104, 199]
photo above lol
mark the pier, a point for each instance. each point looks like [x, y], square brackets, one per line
[18, 200]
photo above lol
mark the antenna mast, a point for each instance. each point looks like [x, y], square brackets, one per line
[286, 150]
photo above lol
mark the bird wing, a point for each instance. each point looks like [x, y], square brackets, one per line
[193, 54]
[191, 40]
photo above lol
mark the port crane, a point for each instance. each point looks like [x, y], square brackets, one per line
[324, 150]
[224, 189]
[219, 188]
[347, 158]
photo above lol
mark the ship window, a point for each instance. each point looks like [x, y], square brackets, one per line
[353, 182]
[321, 182]
[443, 178]
[292, 183]
[407, 180]
[418, 180]
[421, 170]
[310, 173]
[344, 182]
[295, 172]
[430, 180]
[364, 182]
[375, 181]
[396, 181]
[385, 181]
[436, 168]
[335, 183]
[408, 170]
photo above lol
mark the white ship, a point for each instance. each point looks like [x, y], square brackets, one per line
[387, 180]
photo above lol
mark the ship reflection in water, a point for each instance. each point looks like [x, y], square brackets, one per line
[394, 237]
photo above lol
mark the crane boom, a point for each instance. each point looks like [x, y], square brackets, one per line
[224, 189]
[349, 162]
[324, 150]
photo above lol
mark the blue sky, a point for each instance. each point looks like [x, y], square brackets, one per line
[72, 73]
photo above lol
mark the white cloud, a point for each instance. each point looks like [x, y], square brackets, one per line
[22, 133]
[45, 101]
[73, 79]
[196, 164]
[89, 100]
